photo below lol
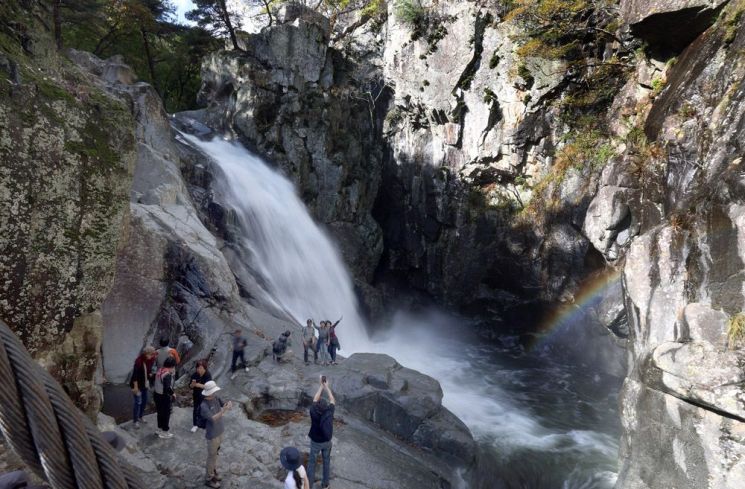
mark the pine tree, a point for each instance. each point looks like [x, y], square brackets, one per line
[214, 16]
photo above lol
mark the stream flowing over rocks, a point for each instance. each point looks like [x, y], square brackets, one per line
[590, 339]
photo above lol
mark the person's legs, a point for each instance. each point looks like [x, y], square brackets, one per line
[213, 446]
[312, 463]
[144, 403]
[326, 453]
[305, 352]
[332, 352]
[159, 409]
[232, 362]
[243, 358]
[136, 407]
[166, 413]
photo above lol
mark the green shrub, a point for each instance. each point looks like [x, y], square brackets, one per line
[410, 12]
[736, 330]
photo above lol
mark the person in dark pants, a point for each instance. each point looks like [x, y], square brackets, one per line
[334, 344]
[321, 432]
[139, 383]
[164, 396]
[198, 379]
[239, 345]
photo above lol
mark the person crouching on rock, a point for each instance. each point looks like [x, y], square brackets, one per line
[279, 348]
[212, 411]
[164, 396]
[321, 432]
[309, 341]
[296, 478]
[200, 377]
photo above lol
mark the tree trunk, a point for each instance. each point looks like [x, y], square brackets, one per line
[57, 18]
[228, 24]
[150, 61]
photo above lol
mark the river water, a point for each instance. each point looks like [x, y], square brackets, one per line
[543, 420]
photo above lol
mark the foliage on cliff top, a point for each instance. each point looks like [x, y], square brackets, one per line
[736, 330]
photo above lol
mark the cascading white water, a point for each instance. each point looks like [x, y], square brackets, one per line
[306, 277]
[300, 265]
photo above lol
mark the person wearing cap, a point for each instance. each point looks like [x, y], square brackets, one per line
[164, 396]
[212, 411]
[296, 478]
[321, 432]
[139, 383]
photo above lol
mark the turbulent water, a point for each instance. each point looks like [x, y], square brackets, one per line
[541, 421]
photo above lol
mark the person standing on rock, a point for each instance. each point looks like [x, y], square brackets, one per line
[296, 478]
[212, 411]
[165, 352]
[322, 347]
[334, 344]
[309, 341]
[164, 396]
[239, 346]
[321, 432]
[200, 377]
[139, 383]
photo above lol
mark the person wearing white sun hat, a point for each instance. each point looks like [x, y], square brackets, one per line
[212, 411]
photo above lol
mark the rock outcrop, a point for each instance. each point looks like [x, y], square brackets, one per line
[67, 151]
[670, 211]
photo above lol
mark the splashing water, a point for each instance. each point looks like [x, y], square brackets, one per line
[523, 410]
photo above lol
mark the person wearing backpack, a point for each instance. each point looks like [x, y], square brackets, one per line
[279, 347]
[165, 352]
[164, 396]
[139, 382]
[211, 413]
[296, 478]
[321, 432]
[200, 377]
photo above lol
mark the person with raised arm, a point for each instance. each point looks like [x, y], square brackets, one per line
[334, 344]
[321, 432]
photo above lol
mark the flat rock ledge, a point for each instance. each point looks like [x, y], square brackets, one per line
[391, 430]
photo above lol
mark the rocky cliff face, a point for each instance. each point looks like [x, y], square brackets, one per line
[67, 149]
[680, 191]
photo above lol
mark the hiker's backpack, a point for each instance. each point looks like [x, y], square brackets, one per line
[163, 354]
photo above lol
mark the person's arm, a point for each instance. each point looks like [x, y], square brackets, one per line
[337, 322]
[317, 397]
[135, 387]
[331, 394]
[222, 411]
[168, 385]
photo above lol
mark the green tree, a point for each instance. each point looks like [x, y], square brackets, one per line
[214, 16]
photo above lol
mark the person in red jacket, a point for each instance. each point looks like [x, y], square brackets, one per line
[139, 383]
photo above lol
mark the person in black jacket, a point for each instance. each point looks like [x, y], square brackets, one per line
[164, 396]
[321, 432]
[200, 377]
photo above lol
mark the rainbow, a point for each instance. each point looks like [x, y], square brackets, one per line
[589, 291]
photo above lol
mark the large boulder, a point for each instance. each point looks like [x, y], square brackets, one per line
[67, 151]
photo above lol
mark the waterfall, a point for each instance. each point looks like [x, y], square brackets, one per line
[301, 268]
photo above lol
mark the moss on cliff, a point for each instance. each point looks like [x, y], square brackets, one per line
[67, 151]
